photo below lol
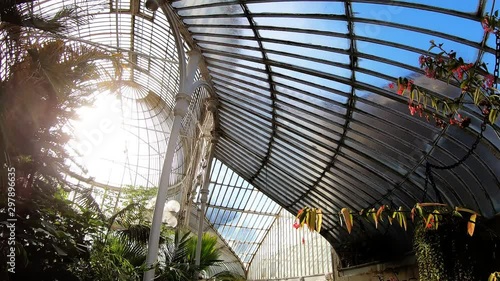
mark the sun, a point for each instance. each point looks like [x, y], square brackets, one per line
[99, 140]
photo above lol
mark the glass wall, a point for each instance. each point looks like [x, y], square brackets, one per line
[287, 253]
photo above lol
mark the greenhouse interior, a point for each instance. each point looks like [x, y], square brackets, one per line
[250, 140]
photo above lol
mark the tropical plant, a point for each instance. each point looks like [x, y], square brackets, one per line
[173, 263]
[42, 81]
[209, 251]
[49, 234]
[119, 246]
[441, 252]
[178, 256]
[473, 79]
[312, 217]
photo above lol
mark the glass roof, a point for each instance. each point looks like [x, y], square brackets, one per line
[306, 113]
[240, 213]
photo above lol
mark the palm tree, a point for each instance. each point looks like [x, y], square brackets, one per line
[209, 251]
[42, 81]
[122, 248]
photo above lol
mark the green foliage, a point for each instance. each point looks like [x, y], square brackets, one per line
[312, 217]
[442, 253]
[450, 253]
[133, 194]
[43, 81]
[140, 196]
[49, 234]
[209, 252]
[173, 263]
[473, 79]
[114, 260]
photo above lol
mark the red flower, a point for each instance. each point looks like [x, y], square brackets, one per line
[486, 111]
[421, 59]
[489, 80]
[420, 109]
[391, 85]
[401, 89]
[487, 26]
[459, 71]
[296, 225]
[408, 86]
[430, 73]
[412, 108]
[465, 122]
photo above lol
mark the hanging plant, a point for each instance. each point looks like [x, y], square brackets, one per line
[473, 79]
[348, 218]
[443, 253]
[429, 215]
[312, 217]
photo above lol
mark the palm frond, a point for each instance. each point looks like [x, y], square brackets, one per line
[85, 200]
[135, 253]
[136, 233]
[122, 214]
[209, 251]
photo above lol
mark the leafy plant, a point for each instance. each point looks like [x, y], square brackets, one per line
[228, 276]
[209, 252]
[442, 253]
[43, 80]
[36, 97]
[312, 217]
[474, 80]
[495, 276]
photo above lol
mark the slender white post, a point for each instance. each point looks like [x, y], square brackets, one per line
[186, 87]
[180, 109]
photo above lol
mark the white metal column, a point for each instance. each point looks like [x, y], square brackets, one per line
[186, 88]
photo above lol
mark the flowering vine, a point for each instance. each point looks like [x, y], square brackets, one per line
[430, 214]
[490, 23]
[312, 217]
[473, 79]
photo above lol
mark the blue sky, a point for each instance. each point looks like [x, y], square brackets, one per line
[447, 24]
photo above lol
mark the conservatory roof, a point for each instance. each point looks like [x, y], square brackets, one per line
[306, 114]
